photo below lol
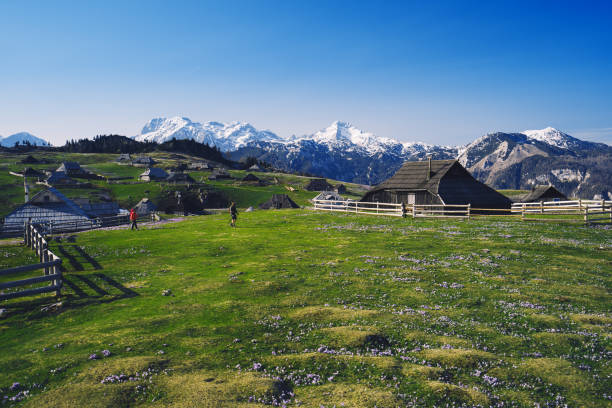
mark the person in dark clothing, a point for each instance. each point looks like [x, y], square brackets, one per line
[133, 217]
[234, 213]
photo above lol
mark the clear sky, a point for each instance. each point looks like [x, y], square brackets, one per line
[440, 72]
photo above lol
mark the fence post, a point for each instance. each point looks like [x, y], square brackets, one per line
[59, 282]
[523, 212]
[413, 210]
[586, 215]
[469, 207]
[46, 259]
[579, 204]
[377, 207]
[541, 207]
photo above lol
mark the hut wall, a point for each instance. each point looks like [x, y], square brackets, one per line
[399, 196]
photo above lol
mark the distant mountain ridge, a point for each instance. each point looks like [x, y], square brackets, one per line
[22, 138]
[343, 152]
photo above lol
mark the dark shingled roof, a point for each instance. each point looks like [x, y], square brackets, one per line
[279, 201]
[179, 177]
[542, 192]
[446, 179]
[318, 185]
[58, 208]
[413, 176]
[68, 166]
[250, 177]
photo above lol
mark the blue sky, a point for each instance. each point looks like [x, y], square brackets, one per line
[440, 72]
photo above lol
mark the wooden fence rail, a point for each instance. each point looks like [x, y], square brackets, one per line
[49, 263]
[587, 209]
[394, 210]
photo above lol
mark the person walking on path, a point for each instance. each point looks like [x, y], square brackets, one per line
[234, 213]
[133, 217]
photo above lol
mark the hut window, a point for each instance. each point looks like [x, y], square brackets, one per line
[411, 198]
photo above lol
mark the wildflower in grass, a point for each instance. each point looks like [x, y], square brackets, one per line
[256, 366]
[93, 356]
[106, 353]
[15, 386]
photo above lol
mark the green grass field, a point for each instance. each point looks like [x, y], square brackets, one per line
[299, 308]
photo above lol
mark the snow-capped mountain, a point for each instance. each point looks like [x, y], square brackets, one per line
[554, 137]
[522, 160]
[225, 136]
[344, 152]
[21, 138]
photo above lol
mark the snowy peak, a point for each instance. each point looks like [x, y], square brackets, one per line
[22, 138]
[225, 136]
[552, 137]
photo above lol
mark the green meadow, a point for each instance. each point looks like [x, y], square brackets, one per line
[129, 190]
[298, 308]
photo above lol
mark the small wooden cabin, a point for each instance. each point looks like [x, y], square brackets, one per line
[436, 182]
[47, 206]
[153, 174]
[543, 193]
[319, 184]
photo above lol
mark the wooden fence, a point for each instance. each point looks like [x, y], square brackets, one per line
[588, 211]
[394, 210]
[49, 263]
[58, 227]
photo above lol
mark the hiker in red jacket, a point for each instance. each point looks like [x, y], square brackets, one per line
[133, 217]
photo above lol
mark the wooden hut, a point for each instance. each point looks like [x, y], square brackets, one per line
[124, 158]
[180, 178]
[47, 206]
[251, 177]
[72, 169]
[153, 174]
[219, 174]
[436, 182]
[145, 207]
[278, 201]
[319, 185]
[143, 161]
[543, 193]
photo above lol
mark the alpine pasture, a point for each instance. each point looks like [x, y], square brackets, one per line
[300, 308]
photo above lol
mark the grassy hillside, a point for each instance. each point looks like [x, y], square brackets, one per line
[130, 190]
[318, 309]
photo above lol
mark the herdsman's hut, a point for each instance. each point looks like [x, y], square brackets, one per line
[436, 182]
[72, 169]
[124, 158]
[46, 206]
[318, 185]
[143, 161]
[543, 193]
[145, 207]
[180, 178]
[279, 201]
[153, 174]
[251, 177]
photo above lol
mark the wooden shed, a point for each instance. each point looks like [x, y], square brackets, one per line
[319, 184]
[153, 174]
[543, 193]
[47, 206]
[436, 182]
[72, 169]
[278, 201]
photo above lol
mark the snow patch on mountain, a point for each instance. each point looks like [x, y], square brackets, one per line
[22, 137]
[225, 136]
[553, 137]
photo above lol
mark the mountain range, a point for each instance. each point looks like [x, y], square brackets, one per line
[22, 138]
[343, 152]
